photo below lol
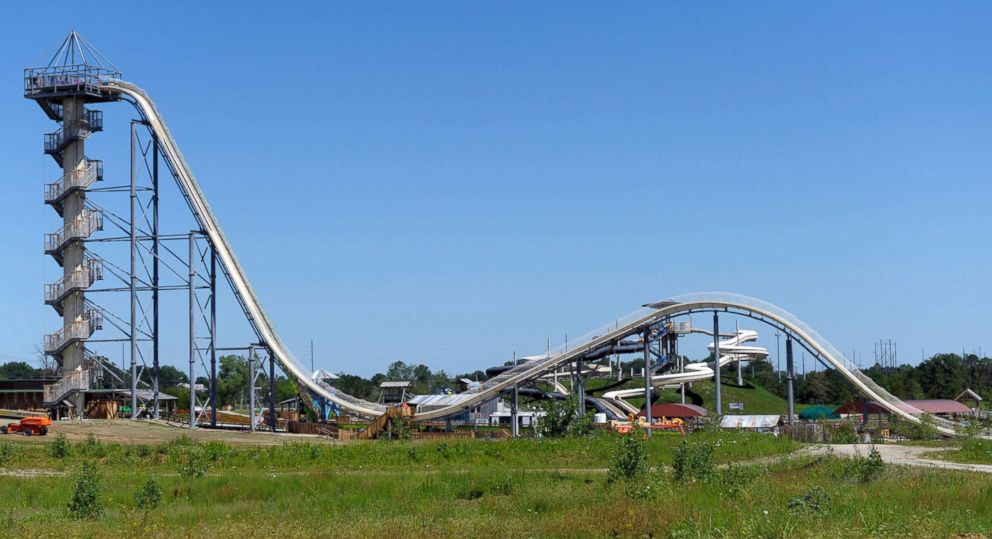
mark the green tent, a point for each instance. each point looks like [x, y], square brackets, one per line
[819, 412]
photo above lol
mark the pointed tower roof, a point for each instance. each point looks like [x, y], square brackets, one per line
[76, 51]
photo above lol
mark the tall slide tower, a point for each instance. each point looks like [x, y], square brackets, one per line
[63, 89]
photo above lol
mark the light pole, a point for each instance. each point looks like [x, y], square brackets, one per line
[778, 354]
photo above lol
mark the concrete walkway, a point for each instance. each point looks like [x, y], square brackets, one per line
[905, 455]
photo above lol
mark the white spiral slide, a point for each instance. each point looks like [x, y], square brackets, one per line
[636, 323]
[696, 372]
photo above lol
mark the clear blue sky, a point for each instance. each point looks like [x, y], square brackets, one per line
[448, 182]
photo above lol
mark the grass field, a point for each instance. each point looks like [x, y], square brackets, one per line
[510, 488]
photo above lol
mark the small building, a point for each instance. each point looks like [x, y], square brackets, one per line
[479, 413]
[394, 393]
[969, 395]
[757, 423]
[674, 409]
[26, 394]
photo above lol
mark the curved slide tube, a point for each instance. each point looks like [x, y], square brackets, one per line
[608, 336]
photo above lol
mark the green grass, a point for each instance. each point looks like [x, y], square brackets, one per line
[971, 451]
[511, 488]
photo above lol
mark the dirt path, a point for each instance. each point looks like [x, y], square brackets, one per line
[906, 455]
[152, 432]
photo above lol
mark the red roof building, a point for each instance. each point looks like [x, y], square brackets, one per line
[675, 410]
[930, 406]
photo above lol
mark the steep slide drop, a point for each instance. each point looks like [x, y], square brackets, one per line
[607, 336]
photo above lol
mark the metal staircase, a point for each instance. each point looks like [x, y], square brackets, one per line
[73, 180]
[88, 222]
[76, 331]
[81, 278]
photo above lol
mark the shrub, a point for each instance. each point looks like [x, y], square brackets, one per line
[6, 453]
[192, 462]
[149, 496]
[734, 478]
[815, 500]
[59, 448]
[694, 462]
[845, 433]
[85, 503]
[868, 468]
[563, 419]
[629, 459]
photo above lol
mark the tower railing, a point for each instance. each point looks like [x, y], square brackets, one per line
[81, 178]
[81, 278]
[79, 79]
[80, 380]
[81, 228]
[78, 330]
[91, 122]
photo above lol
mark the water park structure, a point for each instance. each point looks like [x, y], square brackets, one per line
[78, 76]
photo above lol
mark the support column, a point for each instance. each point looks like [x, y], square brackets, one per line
[134, 272]
[74, 306]
[515, 431]
[790, 374]
[155, 331]
[716, 363]
[580, 388]
[192, 329]
[251, 388]
[213, 337]
[647, 378]
[272, 391]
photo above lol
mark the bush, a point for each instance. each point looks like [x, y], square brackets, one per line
[85, 503]
[563, 419]
[734, 478]
[868, 468]
[815, 500]
[6, 453]
[59, 448]
[926, 429]
[845, 433]
[629, 459]
[694, 462]
[149, 496]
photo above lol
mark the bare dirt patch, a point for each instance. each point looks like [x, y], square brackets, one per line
[154, 432]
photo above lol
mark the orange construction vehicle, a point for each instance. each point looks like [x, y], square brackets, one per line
[28, 426]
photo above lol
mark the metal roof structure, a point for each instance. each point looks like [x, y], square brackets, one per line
[676, 410]
[438, 400]
[750, 421]
[401, 384]
[930, 406]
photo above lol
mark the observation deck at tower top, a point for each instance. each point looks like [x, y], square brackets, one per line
[76, 69]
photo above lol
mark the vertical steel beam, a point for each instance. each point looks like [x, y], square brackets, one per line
[580, 387]
[192, 329]
[516, 401]
[716, 363]
[790, 374]
[647, 378]
[272, 391]
[213, 336]
[251, 388]
[134, 273]
[155, 326]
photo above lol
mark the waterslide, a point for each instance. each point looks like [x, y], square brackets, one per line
[695, 372]
[608, 336]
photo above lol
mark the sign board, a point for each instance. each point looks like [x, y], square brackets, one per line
[737, 406]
